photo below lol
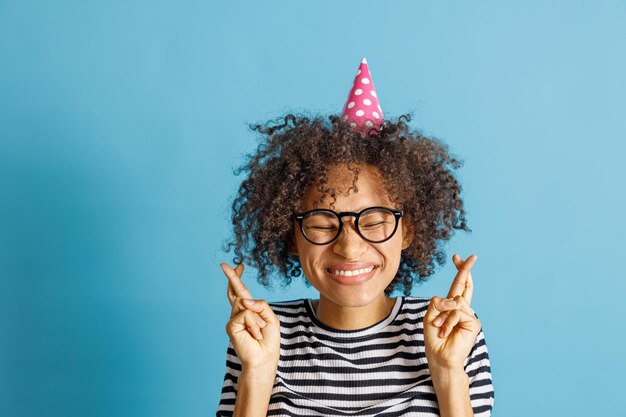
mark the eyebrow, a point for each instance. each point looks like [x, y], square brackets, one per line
[360, 208]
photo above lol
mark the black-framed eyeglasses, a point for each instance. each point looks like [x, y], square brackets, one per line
[374, 224]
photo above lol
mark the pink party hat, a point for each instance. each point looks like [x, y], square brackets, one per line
[362, 110]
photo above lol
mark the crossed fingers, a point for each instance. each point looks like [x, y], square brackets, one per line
[235, 286]
[452, 312]
[445, 306]
[246, 311]
[463, 284]
[236, 290]
[455, 308]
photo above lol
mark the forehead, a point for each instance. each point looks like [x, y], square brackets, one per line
[370, 186]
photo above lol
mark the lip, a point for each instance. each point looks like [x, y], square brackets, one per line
[351, 280]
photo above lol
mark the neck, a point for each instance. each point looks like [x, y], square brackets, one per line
[352, 318]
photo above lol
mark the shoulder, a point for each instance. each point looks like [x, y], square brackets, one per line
[417, 300]
[415, 303]
[290, 308]
[422, 303]
[412, 310]
[288, 303]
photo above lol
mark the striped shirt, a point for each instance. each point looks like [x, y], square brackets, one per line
[377, 371]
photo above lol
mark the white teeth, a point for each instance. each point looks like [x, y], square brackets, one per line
[351, 273]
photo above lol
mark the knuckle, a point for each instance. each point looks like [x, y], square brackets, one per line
[433, 305]
[251, 317]
[239, 301]
[238, 317]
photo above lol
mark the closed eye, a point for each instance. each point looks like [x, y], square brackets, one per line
[373, 225]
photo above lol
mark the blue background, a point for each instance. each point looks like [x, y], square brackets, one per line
[121, 123]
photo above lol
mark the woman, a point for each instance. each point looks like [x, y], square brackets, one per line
[361, 213]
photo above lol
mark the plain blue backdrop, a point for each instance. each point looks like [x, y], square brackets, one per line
[121, 123]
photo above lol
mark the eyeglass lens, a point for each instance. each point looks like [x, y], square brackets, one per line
[375, 225]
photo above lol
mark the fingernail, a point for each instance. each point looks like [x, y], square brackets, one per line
[437, 321]
[449, 303]
[248, 301]
[261, 322]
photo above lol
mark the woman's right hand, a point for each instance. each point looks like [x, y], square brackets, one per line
[253, 328]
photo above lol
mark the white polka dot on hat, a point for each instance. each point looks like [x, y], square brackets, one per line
[363, 113]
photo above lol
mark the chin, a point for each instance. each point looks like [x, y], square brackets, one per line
[352, 297]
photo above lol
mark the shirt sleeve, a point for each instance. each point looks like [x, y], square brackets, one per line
[226, 405]
[478, 369]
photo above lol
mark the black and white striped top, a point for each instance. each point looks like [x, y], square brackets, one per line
[377, 371]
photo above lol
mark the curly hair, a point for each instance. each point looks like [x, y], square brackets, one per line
[294, 154]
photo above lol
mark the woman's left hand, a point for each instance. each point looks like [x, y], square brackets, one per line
[450, 326]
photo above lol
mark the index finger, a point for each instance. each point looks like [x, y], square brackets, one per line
[462, 284]
[234, 282]
[469, 284]
[230, 292]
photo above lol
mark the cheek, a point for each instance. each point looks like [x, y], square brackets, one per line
[392, 251]
[307, 252]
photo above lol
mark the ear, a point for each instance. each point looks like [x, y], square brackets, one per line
[408, 231]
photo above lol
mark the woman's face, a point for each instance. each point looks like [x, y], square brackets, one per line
[324, 265]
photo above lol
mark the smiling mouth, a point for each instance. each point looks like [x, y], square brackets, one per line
[352, 272]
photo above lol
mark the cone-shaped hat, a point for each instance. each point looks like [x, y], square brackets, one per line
[362, 109]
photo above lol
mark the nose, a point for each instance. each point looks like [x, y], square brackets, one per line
[349, 244]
